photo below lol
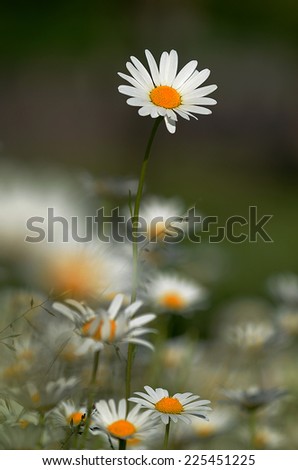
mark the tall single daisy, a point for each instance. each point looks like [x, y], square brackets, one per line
[164, 92]
[111, 326]
[181, 406]
[114, 421]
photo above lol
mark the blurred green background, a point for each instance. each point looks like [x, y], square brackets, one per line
[60, 108]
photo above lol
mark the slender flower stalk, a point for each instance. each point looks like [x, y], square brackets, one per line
[166, 438]
[136, 211]
[137, 205]
[90, 397]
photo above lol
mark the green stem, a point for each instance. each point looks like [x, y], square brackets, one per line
[166, 438]
[94, 368]
[130, 356]
[90, 398]
[135, 251]
[253, 429]
[122, 444]
[137, 208]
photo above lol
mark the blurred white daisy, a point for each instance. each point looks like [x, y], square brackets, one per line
[85, 271]
[43, 396]
[284, 288]
[254, 398]
[288, 321]
[163, 218]
[164, 92]
[168, 292]
[110, 326]
[115, 421]
[181, 406]
[251, 336]
[13, 414]
[67, 414]
[220, 421]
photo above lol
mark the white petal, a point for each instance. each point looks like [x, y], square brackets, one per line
[185, 73]
[131, 91]
[199, 92]
[172, 68]
[200, 101]
[115, 306]
[171, 114]
[154, 112]
[139, 341]
[66, 311]
[194, 81]
[133, 308]
[163, 67]
[151, 392]
[196, 109]
[141, 402]
[136, 102]
[165, 418]
[122, 409]
[153, 67]
[145, 74]
[147, 397]
[138, 77]
[142, 320]
[131, 80]
[170, 124]
[145, 110]
[181, 113]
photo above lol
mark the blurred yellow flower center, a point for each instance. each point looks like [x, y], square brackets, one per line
[121, 429]
[205, 430]
[88, 330]
[172, 300]
[23, 423]
[165, 96]
[35, 397]
[76, 418]
[169, 405]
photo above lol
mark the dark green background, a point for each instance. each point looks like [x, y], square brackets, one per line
[60, 108]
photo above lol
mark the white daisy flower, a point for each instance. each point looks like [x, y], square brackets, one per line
[163, 92]
[168, 292]
[67, 414]
[163, 217]
[284, 288]
[43, 396]
[85, 271]
[251, 336]
[110, 326]
[117, 423]
[181, 406]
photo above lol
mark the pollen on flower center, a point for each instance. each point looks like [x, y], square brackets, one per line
[88, 330]
[121, 429]
[76, 418]
[169, 405]
[165, 96]
[172, 300]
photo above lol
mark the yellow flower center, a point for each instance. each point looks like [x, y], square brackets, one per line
[97, 333]
[172, 300]
[205, 430]
[23, 423]
[76, 418]
[122, 429]
[35, 398]
[169, 405]
[165, 96]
